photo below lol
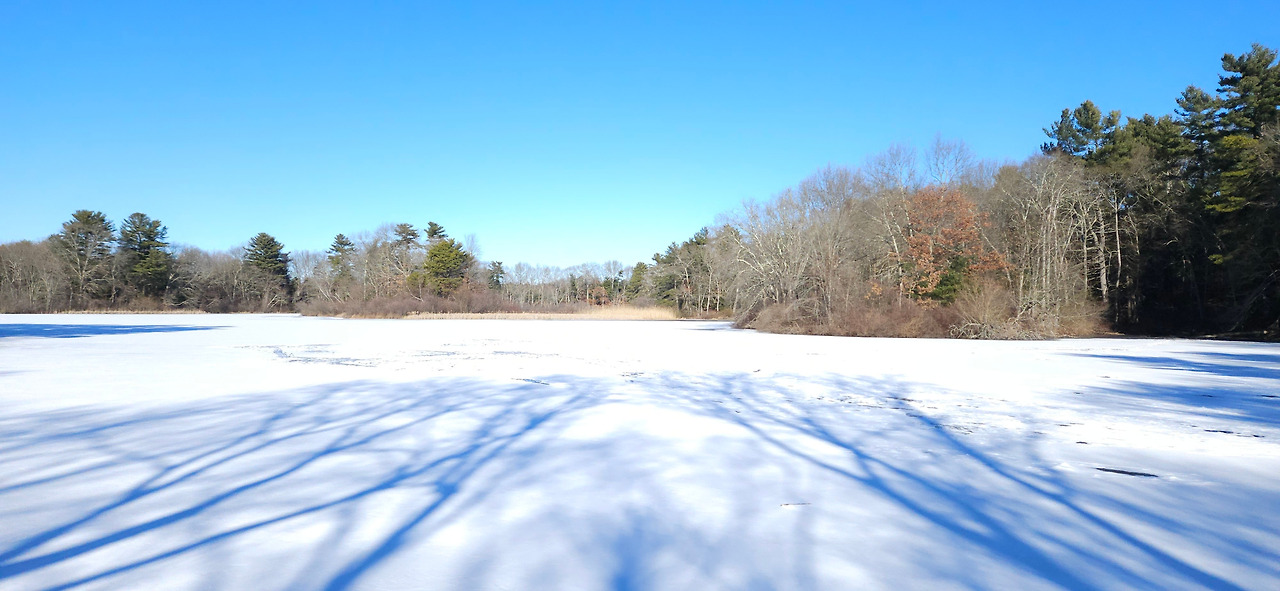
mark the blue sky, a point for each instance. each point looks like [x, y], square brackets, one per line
[557, 134]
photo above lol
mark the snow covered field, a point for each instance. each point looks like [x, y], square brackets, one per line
[279, 452]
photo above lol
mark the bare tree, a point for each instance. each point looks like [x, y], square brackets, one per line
[32, 278]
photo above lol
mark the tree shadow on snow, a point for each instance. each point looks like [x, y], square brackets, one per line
[71, 331]
[1216, 363]
[1233, 399]
[1027, 513]
[258, 455]
[367, 471]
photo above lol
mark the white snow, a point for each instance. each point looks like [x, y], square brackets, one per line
[280, 452]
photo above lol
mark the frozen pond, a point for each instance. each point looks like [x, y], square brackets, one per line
[279, 452]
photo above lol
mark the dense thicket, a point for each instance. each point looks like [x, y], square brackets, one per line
[1153, 224]
[1194, 194]
[906, 246]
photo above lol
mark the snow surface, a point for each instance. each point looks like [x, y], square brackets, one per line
[280, 452]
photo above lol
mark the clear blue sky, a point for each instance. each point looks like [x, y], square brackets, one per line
[566, 133]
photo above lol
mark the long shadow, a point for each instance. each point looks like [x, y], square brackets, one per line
[181, 481]
[976, 526]
[264, 443]
[1228, 365]
[957, 506]
[72, 331]
[1238, 400]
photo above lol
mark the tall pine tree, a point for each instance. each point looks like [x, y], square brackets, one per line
[266, 254]
[85, 248]
[144, 250]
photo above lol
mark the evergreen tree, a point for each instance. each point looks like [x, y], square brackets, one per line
[139, 233]
[496, 275]
[446, 267]
[402, 249]
[406, 235]
[1198, 195]
[680, 275]
[614, 286]
[435, 232]
[1081, 132]
[1198, 114]
[635, 285]
[85, 247]
[266, 254]
[143, 249]
[1064, 137]
[340, 254]
[1250, 91]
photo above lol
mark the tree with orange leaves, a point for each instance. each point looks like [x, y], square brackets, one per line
[944, 245]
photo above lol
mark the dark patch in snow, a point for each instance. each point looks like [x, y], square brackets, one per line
[533, 381]
[1128, 472]
[1219, 431]
[1083, 442]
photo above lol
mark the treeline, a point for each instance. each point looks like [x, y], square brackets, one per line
[398, 270]
[1155, 225]
[1162, 224]
[393, 271]
[90, 265]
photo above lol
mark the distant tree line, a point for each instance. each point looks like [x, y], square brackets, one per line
[395, 270]
[1153, 225]
[90, 265]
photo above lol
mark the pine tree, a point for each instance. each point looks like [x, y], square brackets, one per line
[1094, 127]
[266, 254]
[635, 285]
[1064, 137]
[85, 247]
[445, 269]
[1243, 188]
[1250, 91]
[496, 275]
[1081, 132]
[406, 235]
[1198, 114]
[340, 253]
[143, 247]
[435, 232]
